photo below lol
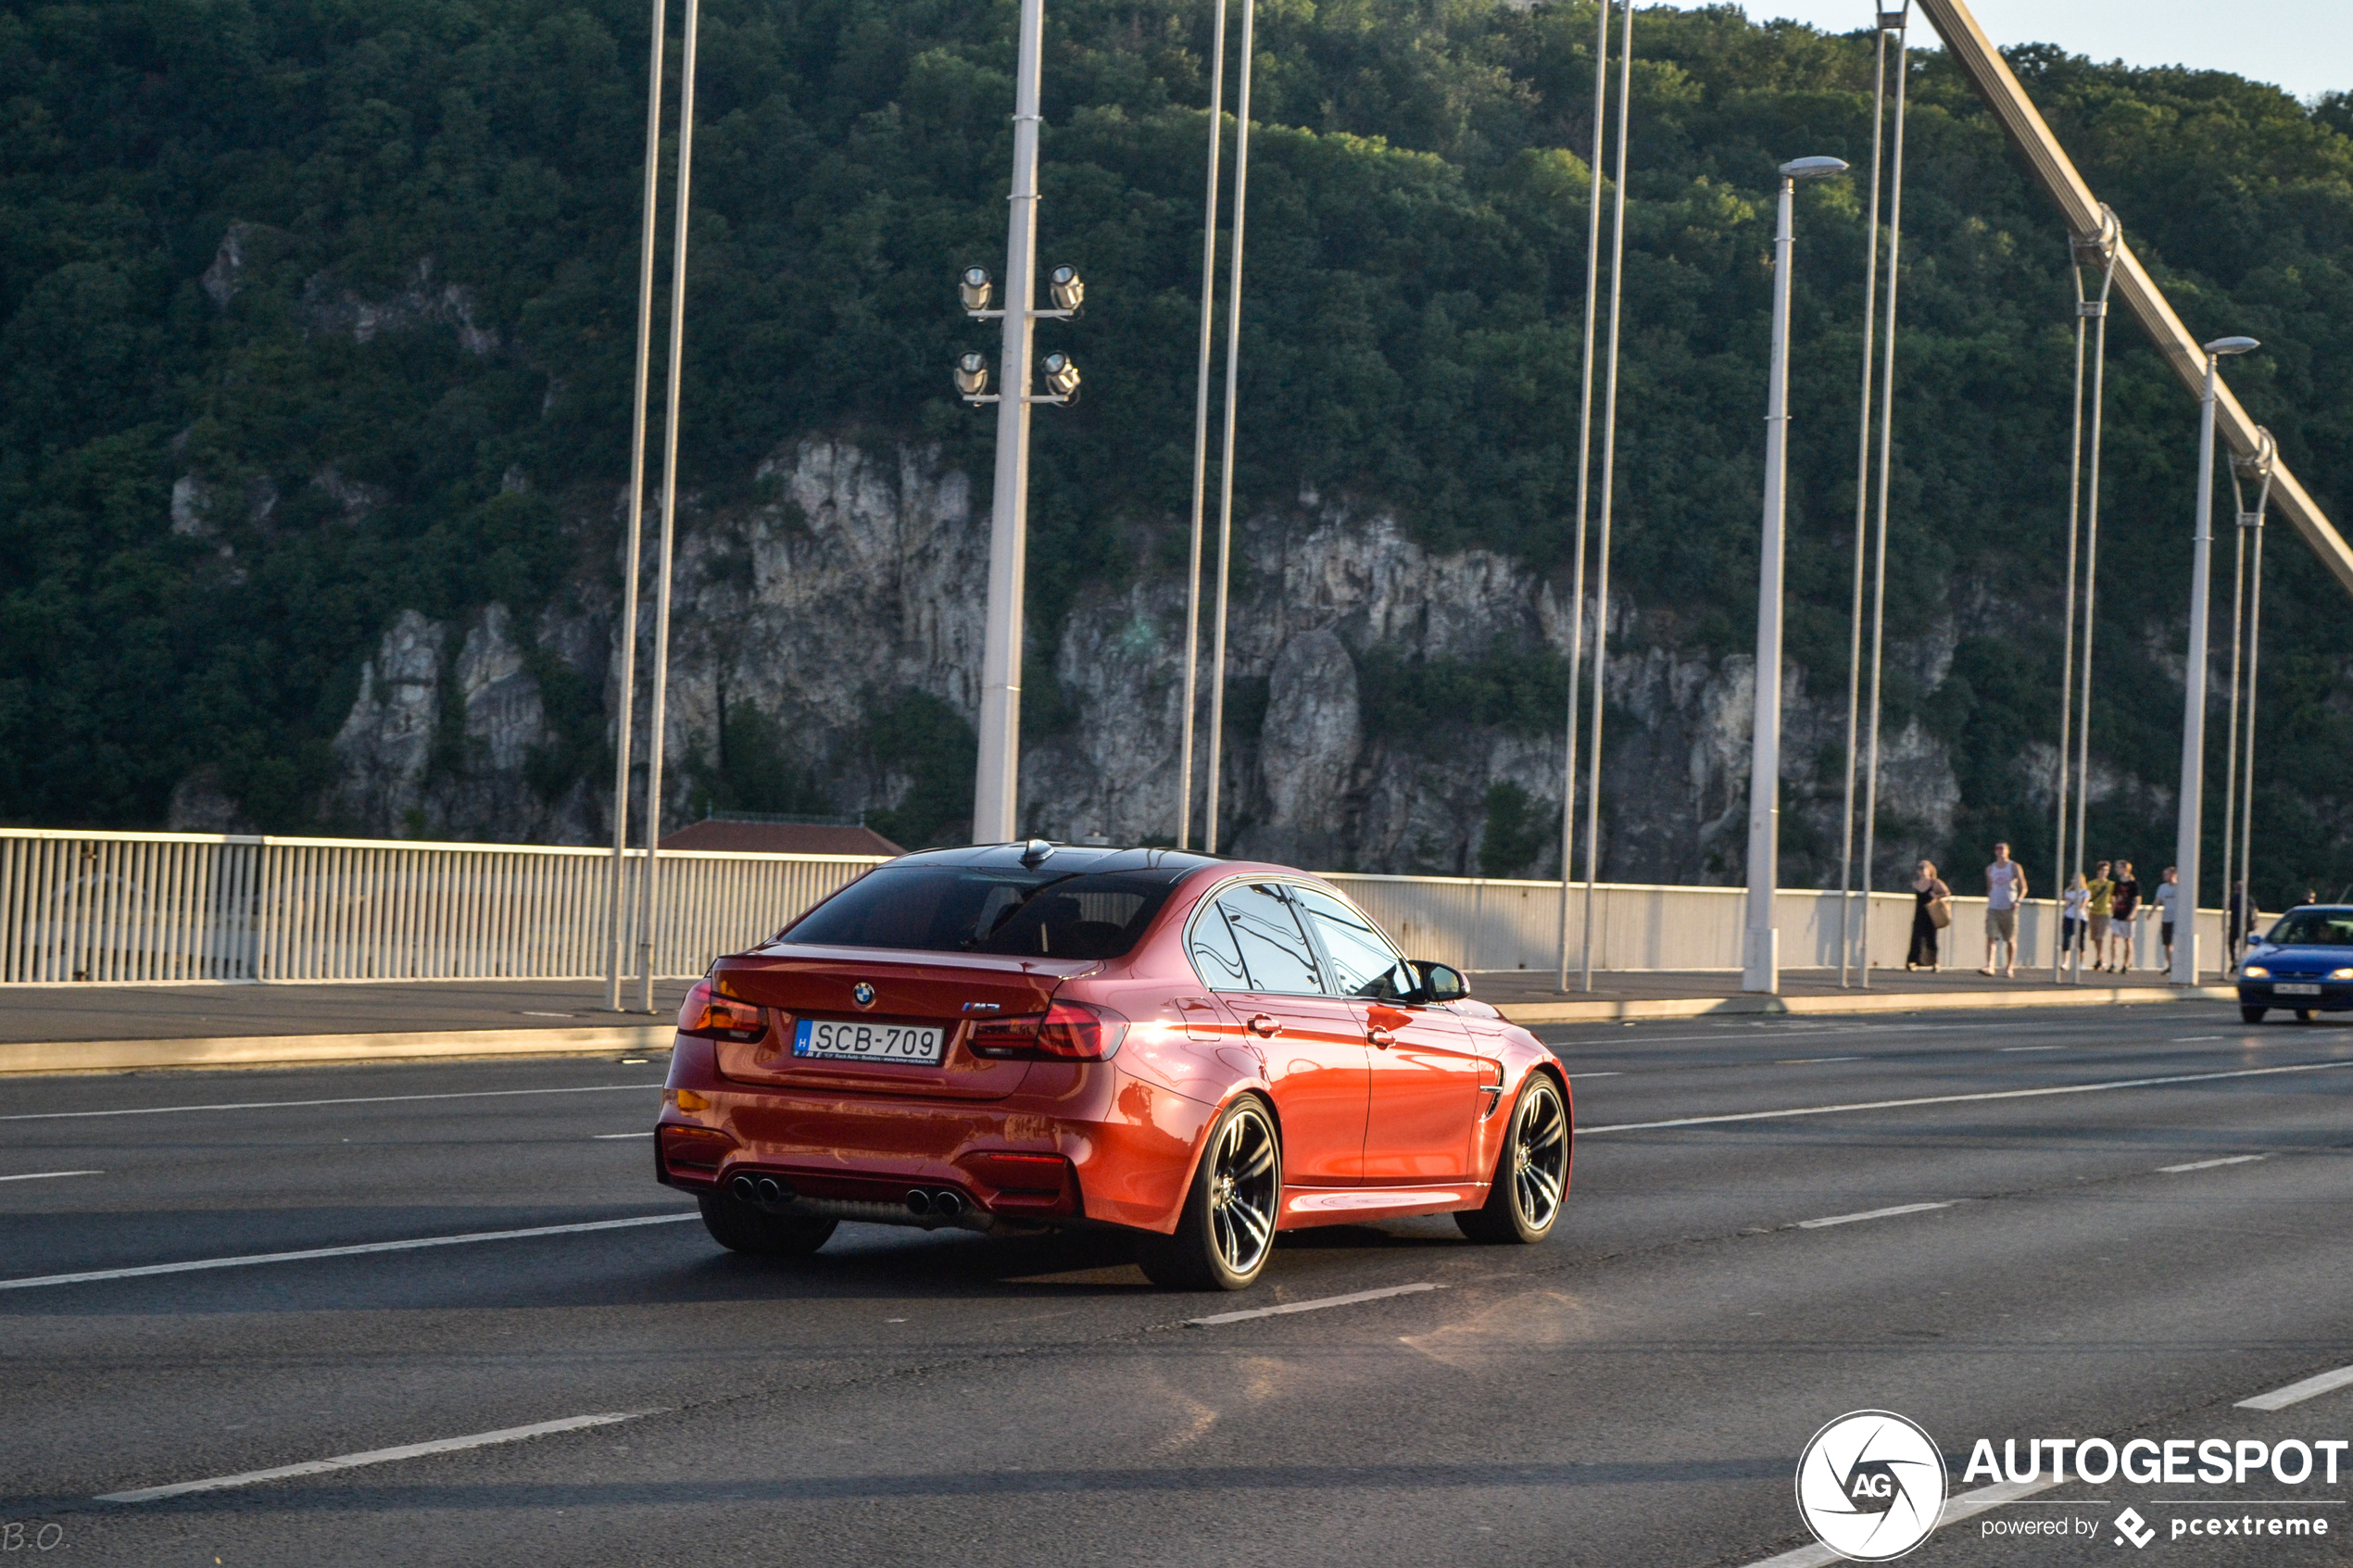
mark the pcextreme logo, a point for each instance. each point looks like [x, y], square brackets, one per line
[1871, 1485]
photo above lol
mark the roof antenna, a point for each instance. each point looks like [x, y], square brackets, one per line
[1034, 853]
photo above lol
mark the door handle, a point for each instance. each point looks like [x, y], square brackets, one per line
[1381, 1037]
[1263, 1026]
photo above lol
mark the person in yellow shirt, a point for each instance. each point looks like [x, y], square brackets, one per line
[2100, 906]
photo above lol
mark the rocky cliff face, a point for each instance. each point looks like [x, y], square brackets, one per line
[863, 581]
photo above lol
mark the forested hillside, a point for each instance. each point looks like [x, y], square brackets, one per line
[318, 312]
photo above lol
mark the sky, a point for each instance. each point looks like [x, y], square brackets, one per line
[2303, 45]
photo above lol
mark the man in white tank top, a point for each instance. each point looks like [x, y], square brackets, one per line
[2005, 891]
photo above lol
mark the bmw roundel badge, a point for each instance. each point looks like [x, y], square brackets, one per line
[862, 994]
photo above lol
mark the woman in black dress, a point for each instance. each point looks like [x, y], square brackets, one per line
[1927, 887]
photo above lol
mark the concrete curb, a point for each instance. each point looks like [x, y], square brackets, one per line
[1628, 1009]
[253, 1050]
[116, 1056]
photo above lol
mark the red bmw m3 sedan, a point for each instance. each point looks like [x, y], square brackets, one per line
[1025, 1036]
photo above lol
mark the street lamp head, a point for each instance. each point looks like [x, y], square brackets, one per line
[2222, 347]
[1813, 168]
[1069, 289]
[1062, 376]
[974, 288]
[972, 375]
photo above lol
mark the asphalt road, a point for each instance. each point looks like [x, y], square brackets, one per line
[1634, 1392]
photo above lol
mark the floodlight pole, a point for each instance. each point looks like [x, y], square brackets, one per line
[996, 785]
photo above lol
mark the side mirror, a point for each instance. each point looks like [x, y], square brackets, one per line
[1441, 983]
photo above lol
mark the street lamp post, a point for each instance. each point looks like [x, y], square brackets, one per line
[2185, 834]
[1761, 961]
[997, 780]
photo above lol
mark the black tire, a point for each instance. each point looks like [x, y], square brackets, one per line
[1530, 1178]
[2253, 1015]
[739, 1227]
[1226, 1232]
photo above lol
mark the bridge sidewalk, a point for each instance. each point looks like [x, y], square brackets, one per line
[1529, 996]
[120, 1028]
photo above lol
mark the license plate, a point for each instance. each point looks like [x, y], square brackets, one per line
[2291, 988]
[849, 1040]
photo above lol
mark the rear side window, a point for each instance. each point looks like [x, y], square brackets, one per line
[1015, 911]
[1363, 962]
[1264, 938]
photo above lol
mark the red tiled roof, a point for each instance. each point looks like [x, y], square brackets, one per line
[779, 838]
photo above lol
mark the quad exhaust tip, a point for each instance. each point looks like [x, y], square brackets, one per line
[946, 1202]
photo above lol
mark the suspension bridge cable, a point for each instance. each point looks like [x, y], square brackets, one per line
[1584, 467]
[2107, 244]
[1225, 468]
[1862, 504]
[1886, 435]
[1201, 429]
[1609, 489]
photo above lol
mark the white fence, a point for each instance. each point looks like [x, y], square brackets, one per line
[1477, 924]
[158, 906]
[131, 907]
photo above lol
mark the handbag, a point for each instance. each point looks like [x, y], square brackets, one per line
[1940, 912]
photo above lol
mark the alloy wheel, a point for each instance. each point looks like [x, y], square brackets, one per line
[1539, 1155]
[1244, 1187]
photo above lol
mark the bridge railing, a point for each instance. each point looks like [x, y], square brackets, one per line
[128, 908]
[1484, 925]
[145, 907]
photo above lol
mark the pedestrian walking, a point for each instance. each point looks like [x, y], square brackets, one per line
[2123, 907]
[2235, 922]
[1931, 912]
[2097, 910]
[2072, 904]
[2169, 909]
[2005, 891]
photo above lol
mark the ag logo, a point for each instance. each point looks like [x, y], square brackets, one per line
[1871, 1485]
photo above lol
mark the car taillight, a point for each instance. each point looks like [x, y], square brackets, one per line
[707, 1013]
[1065, 1031]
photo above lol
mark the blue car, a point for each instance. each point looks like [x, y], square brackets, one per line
[2304, 964]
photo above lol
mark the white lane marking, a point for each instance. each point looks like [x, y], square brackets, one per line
[283, 1104]
[93, 1275]
[1314, 1305]
[1956, 1509]
[1870, 1215]
[2008, 1049]
[1809, 1060]
[528, 1013]
[1574, 1076]
[2296, 1393]
[376, 1456]
[2210, 1164]
[1957, 1099]
[47, 1175]
[607, 1137]
[2191, 1039]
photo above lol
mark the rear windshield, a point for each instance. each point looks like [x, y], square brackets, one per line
[1012, 910]
[2314, 928]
